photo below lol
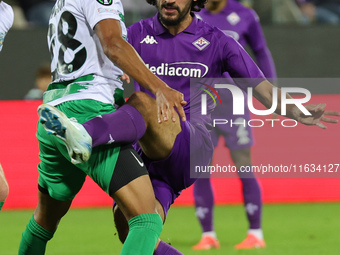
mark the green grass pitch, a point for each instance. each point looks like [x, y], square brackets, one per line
[289, 229]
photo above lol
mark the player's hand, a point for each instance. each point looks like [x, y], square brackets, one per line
[167, 100]
[318, 114]
[125, 77]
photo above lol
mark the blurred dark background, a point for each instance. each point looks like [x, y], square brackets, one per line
[300, 48]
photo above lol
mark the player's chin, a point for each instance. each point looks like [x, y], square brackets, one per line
[170, 20]
[168, 17]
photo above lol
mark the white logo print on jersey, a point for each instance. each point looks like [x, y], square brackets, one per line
[149, 40]
[139, 162]
[186, 69]
[111, 140]
[233, 34]
[233, 18]
[201, 43]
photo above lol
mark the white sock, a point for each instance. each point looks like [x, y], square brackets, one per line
[210, 233]
[256, 232]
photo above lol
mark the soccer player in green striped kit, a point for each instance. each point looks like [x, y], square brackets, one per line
[89, 51]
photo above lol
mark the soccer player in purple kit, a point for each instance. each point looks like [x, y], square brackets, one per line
[243, 25]
[86, 39]
[177, 46]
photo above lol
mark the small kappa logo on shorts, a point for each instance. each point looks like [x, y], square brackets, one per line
[105, 2]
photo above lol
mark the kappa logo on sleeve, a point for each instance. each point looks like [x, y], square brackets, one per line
[105, 2]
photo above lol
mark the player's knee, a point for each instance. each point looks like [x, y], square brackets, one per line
[242, 163]
[121, 224]
[142, 102]
[241, 157]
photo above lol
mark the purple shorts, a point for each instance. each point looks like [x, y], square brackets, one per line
[236, 132]
[172, 174]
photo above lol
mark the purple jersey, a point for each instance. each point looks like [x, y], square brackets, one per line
[243, 25]
[200, 51]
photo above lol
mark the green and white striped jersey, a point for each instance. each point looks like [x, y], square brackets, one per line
[80, 69]
[6, 21]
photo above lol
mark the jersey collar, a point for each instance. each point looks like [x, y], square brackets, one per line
[160, 29]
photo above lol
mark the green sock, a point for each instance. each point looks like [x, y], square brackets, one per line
[144, 231]
[1, 204]
[34, 239]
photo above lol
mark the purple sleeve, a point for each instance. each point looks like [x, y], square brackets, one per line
[257, 43]
[240, 65]
[132, 34]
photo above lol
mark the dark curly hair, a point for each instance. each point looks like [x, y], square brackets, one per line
[195, 6]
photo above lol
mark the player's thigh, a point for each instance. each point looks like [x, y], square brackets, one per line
[192, 148]
[84, 110]
[57, 174]
[130, 186]
[165, 197]
[159, 138]
[136, 198]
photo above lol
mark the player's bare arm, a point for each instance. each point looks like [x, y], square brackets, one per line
[125, 57]
[264, 91]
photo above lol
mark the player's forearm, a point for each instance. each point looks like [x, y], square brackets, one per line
[264, 93]
[126, 58]
[123, 55]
